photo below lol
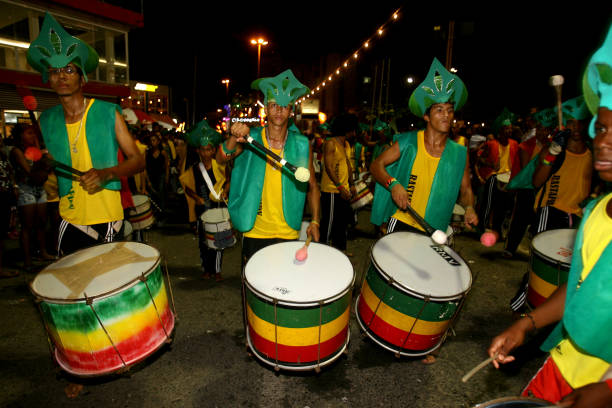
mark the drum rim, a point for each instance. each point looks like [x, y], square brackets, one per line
[148, 200]
[512, 399]
[103, 295]
[201, 217]
[534, 250]
[403, 288]
[309, 303]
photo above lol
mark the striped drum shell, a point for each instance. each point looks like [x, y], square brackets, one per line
[118, 318]
[411, 292]
[298, 312]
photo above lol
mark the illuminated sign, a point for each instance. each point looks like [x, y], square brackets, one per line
[145, 87]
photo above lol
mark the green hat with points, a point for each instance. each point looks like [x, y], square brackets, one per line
[283, 89]
[546, 117]
[440, 86]
[380, 126]
[504, 119]
[597, 80]
[575, 108]
[203, 135]
[55, 48]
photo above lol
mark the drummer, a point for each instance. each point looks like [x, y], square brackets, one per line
[579, 369]
[198, 182]
[84, 133]
[266, 202]
[424, 168]
[337, 184]
[496, 157]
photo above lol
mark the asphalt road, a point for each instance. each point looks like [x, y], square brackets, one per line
[207, 363]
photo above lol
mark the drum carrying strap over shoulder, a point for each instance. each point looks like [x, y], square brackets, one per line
[208, 181]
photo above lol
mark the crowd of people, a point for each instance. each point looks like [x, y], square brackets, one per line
[520, 171]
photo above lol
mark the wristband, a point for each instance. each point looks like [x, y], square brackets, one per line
[393, 183]
[225, 150]
[389, 181]
[315, 222]
[609, 382]
[528, 315]
[550, 158]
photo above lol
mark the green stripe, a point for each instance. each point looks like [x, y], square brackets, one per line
[298, 317]
[79, 317]
[406, 304]
[548, 272]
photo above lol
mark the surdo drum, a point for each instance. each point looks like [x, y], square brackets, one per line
[412, 291]
[218, 228]
[298, 312]
[514, 402]
[551, 258]
[363, 196]
[141, 216]
[105, 307]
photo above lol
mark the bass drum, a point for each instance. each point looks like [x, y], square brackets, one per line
[514, 402]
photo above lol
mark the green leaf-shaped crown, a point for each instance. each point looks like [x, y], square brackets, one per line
[504, 119]
[597, 80]
[440, 86]
[55, 48]
[202, 135]
[283, 89]
[575, 108]
[546, 117]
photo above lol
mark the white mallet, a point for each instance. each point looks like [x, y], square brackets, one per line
[437, 236]
[301, 173]
[556, 81]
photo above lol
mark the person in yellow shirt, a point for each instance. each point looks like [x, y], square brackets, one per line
[83, 133]
[337, 185]
[578, 372]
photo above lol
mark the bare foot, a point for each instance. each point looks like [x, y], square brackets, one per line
[73, 390]
[429, 359]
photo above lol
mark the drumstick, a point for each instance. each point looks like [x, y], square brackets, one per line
[35, 154]
[556, 81]
[479, 367]
[437, 236]
[302, 253]
[58, 165]
[301, 173]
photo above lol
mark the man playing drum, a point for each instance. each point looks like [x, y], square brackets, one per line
[266, 201]
[83, 133]
[337, 184]
[198, 181]
[578, 370]
[425, 169]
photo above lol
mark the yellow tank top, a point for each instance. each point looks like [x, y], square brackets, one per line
[51, 188]
[270, 221]
[504, 158]
[78, 206]
[577, 367]
[419, 186]
[570, 185]
[340, 168]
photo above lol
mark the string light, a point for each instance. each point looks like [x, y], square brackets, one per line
[380, 31]
[367, 44]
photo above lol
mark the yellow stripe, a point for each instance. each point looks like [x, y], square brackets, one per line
[542, 287]
[398, 319]
[300, 336]
[119, 331]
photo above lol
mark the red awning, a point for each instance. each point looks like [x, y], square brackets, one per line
[143, 117]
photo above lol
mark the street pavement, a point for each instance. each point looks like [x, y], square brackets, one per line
[207, 364]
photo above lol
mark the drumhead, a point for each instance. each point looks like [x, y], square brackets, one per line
[127, 228]
[274, 272]
[504, 177]
[95, 271]
[556, 245]
[514, 402]
[139, 199]
[420, 266]
[215, 215]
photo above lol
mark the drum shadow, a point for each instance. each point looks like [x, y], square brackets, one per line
[369, 354]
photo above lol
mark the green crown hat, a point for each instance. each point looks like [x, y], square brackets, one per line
[55, 48]
[440, 86]
[574, 108]
[364, 127]
[546, 117]
[380, 126]
[203, 135]
[283, 89]
[597, 80]
[504, 119]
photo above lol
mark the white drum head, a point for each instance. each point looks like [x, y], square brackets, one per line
[557, 245]
[127, 228]
[215, 215]
[416, 263]
[139, 199]
[274, 272]
[459, 210]
[95, 271]
[504, 177]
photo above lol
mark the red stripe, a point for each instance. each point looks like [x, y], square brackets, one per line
[534, 298]
[138, 218]
[298, 354]
[392, 334]
[132, 350]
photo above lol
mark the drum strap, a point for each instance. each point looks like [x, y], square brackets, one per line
[208, 181]
[93, 233]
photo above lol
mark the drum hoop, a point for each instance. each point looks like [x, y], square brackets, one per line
[548, 259]
[512, 399]
[423, 296]
[110, 293]
[310, 303]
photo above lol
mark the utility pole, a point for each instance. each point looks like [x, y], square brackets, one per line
[449, 44]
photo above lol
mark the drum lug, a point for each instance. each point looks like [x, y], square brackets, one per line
[317, 369]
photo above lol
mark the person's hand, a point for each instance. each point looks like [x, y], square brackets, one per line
[353, 191]
[470, 218]
[400, 196]
[92, 180]
[240, 131]
[559, 141]
[507, 341]
[344, 193]
[596, 395]
[313, 230]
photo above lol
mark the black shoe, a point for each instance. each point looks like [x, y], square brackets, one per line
[519, 299]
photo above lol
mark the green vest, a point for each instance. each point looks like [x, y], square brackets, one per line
[444, 188]
[101, 140]
[248, 180]
[587, 316]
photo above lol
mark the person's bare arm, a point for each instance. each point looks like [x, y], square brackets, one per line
[238, 134]
[542, 171]
[314, 201]
[466, 196]
[134, 162]
[378, 170]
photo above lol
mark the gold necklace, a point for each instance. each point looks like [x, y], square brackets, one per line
[76, 139]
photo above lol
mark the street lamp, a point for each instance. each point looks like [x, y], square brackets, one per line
[259, 42]
[226, 83]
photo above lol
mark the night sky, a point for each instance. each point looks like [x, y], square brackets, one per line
[504, 57]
